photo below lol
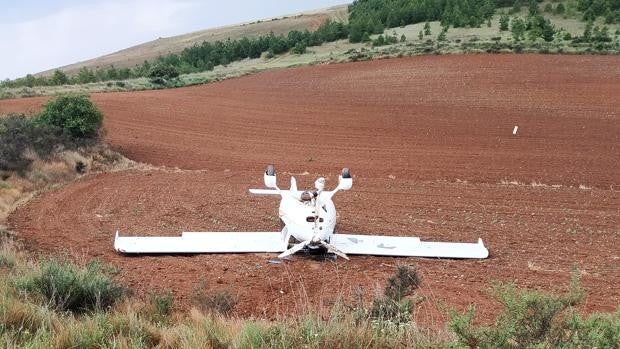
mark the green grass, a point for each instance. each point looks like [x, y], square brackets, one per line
[530, 319]
[67, 287]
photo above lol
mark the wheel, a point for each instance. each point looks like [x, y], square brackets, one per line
[271, 171]
[346, 173]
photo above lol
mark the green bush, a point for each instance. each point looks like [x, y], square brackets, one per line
[163, 71]
[75, 114]
[161, 303]
[504, 22]
[533, 319]
[299, 48]
[67, 287]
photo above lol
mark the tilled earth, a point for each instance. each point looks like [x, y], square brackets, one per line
[429, 141]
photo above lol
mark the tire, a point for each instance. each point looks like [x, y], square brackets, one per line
[271, 171]
[346, 173]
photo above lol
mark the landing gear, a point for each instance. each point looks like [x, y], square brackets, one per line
[346, 173]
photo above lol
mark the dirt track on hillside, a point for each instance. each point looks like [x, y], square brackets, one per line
[429, 140]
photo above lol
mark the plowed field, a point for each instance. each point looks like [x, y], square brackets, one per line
[429, 141]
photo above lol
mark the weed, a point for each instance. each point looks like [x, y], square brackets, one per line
[8, 254]
[161, 303]
[223, 302]
[529, 319]
[80, 167]
[64, 286]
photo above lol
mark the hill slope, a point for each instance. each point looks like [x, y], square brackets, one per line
[129, 57]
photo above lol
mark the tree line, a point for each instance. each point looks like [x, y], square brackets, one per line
[592, 9]
[197, 58]
[366, 17]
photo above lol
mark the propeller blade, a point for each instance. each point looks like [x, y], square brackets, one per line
[334, 250]
[294, 249]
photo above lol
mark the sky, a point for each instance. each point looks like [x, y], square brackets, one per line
[41, 35]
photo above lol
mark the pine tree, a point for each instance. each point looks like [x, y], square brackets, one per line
[517, 28]
[427, 28]
[504, 22]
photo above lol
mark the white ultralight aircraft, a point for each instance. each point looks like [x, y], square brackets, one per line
[310, 218]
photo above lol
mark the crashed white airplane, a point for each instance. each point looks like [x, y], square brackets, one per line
[310, 218]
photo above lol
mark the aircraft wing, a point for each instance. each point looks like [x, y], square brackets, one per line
[273, 191]
[203, 242]
[407, 247]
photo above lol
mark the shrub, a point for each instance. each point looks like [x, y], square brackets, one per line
[393, 305]
[517, 28]
[504, 22]
[14, 139]
[161, 303]
[379, 41]
[19, 134]
[163, 71]
[75, 114]
[222, 302]
[442, 34]
[427, 28]
[529, 319]
[65, 286]
[299, 48]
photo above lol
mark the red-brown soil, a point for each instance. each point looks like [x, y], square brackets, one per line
[429, 139]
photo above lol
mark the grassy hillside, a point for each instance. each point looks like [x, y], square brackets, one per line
[132, 56]
[369, 34]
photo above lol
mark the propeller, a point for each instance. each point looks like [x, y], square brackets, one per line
[334, 250]
[298, 247]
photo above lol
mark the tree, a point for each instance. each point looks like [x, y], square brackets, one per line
[59, 78]
[532, 7]
[30, 80]
[427, 28]
[403, 38]
[421, 35]
[112, 73]
[560, 9]
[163, 71]
[587, 32]
[124, 73]
[442, 34]
[516, 7]
[74, 114]
[504, 22]
[85, 76]
[534, 33]
[355, 33]
[517, 28]
[299, 48]
[379, 41]
[548, 31]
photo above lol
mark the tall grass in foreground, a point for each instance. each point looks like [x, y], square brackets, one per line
[33, 317]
